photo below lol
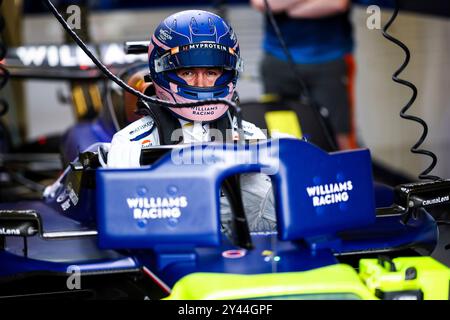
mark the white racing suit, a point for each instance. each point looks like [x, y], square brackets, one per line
[257, 194]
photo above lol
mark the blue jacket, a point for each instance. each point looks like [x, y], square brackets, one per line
[310, 40]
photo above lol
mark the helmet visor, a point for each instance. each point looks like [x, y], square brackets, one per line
[199, 55]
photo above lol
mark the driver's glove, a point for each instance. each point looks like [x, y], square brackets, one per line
[121, 153]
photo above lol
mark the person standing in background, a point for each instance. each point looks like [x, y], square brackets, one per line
[318, 34]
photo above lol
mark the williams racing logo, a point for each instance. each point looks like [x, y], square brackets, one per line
[157, 208]
[326, 194]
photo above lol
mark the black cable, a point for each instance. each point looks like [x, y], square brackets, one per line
[305, 95]
[24, 181]
[395, 78]
[138, 94]
[287, 53]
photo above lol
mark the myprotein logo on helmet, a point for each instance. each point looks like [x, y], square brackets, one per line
[204, 45]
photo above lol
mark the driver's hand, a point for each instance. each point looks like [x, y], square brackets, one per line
[123, 153]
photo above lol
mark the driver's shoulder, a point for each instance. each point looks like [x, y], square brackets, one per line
[142, 130]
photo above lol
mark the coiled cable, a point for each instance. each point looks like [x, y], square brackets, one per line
[415, 148]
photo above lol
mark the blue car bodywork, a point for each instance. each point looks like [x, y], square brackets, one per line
[164, 217]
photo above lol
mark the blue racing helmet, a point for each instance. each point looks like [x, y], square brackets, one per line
[194, 38]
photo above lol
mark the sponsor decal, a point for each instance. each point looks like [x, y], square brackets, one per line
[142, 132]
[73, 197]
[65, 205]
[67, 196]
[327, 194]
[12, 232]
[436, 200]
[204, 45]
[157, 207]
[203, 111]
[69, 55]
[146, 143]
[141, 127]
[164, 35]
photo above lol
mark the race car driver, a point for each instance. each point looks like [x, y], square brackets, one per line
[194, 55]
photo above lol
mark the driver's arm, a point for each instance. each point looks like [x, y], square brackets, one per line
[310, 9]
[126, 145]
[276, 6]
[307, 9]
